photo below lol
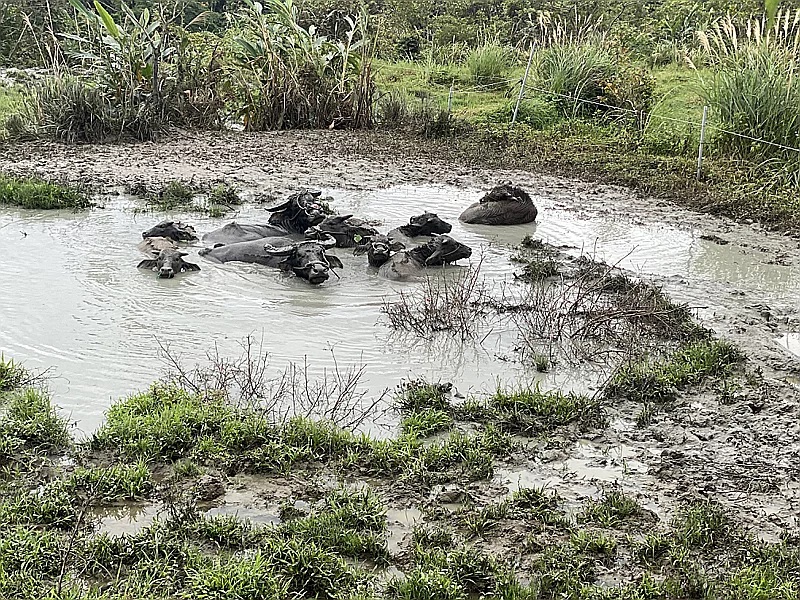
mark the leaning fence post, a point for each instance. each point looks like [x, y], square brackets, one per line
[522, 87]
[450, 99]
[702, 141]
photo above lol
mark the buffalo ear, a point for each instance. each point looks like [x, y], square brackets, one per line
[190, 266]
[150, 263]
[397, 246]
[280, 207]
[361, 249]
[334, 261]
[182, 253]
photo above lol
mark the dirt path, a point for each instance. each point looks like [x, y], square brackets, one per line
[742, 450]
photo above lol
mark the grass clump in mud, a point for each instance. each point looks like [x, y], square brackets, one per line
[539, 260]
[610, 510]
[32, 423]
[424, 423]
[178, 195]
[170, 423]
[13, 375]
[37, 193]
[659, 381]
[418, 394]
[532, 411]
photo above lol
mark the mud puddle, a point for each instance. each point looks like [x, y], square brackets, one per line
[75, 301]
[128, 518]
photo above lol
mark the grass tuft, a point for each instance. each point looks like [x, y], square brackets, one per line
[34, 192]
[659, 381]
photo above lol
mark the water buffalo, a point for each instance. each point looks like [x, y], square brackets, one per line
[378, 249]
[167, 263]
[439, 251]
[307, 259]
[294, 216]
[252, 251]
[346, 230]
[505, 204]
[154, 245]
[174, 230]
[425, 224]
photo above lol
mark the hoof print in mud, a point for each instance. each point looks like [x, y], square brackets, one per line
[505, 204]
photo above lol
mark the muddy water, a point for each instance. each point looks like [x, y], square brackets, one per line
[72, 299]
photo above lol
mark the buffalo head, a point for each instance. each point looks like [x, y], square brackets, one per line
[307, 260]
[174, 230]
[168, 263]
[346, 230]
[444, 249]
[378, 249]
[298, 213]
[426, 224]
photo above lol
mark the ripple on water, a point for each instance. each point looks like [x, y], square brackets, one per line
[73, 299]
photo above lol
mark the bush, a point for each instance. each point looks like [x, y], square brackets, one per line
[579, 73]
[536, 113]
[33, 192]
[756, 92]
[290, 77]
[488, 65]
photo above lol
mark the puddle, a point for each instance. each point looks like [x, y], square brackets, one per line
[74, 301]
[129, 518]
[244, 503]
[790, 342]
[400, 524]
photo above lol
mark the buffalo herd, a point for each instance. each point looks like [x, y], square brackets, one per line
[300, 233]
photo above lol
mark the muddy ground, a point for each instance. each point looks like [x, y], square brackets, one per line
[738, 446]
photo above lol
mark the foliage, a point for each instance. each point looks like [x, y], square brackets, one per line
[754, 89]
[291, 77]
[658, 381]
[488, 64]
[34, 192]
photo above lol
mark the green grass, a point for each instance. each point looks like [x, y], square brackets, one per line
[31, 422]
[34, 192]
[167, 423]
[610, 510]
[12, 374]
[426, 422]
[658, 381]
[10, 102]
[532, 411]
[419, 395]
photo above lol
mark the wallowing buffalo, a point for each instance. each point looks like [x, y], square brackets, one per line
[154, 245]
[439, 251]
[294, 216]
[346, 230]
[378, 248]
[168, 263]
[308, 260]
[174, 230]
[425, 224]
[505, 204]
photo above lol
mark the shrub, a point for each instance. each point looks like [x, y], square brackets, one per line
[488, 65]
[755, 92]
[578, 73]
[290, 77]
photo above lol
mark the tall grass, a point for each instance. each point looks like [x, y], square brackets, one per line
[33, 192]
[488, 64]
[588, 76]
[754, 90]
[291, 77]
[132, 75]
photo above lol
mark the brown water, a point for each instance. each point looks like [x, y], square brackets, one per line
[72, 299]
